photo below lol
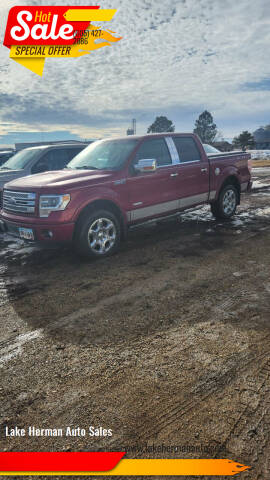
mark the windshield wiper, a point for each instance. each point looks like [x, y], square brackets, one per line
[5, 168]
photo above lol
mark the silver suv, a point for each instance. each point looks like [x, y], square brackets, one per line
[36, 160]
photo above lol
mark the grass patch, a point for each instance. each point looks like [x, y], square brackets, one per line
[263, 162]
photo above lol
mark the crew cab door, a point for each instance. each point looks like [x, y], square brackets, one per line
[153, 193]
[193, 172]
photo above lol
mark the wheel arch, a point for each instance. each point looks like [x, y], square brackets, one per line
[104, 204]
[232, 180]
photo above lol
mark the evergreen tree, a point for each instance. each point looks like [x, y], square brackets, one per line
[205, 127]
[244, 140]
[161, 124]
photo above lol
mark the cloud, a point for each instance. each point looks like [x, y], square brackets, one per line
[30, 110]
[176, 58]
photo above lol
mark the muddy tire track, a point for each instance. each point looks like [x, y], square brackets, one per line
[175, 409]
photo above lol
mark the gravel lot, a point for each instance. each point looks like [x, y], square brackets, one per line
[165, 343]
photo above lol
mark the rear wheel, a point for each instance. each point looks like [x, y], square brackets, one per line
[226, 204]
[98, 234]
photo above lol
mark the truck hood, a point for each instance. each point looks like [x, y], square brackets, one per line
[60, 179]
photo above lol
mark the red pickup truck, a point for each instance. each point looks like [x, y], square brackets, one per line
[115, 183]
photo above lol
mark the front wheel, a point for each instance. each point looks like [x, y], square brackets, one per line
[226, 204]
[98, 234]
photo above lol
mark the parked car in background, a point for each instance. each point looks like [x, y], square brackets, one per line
[210, 149]
[259, 154]
[116, 183]
[5, 155]
[36, 160]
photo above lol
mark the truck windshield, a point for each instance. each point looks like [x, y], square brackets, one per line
[20, 159]
[104, 155]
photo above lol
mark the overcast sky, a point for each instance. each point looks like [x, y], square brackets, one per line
[177, 58]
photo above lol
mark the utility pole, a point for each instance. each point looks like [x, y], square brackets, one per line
[132, 130]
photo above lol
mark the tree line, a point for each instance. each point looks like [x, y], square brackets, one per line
[206, 129]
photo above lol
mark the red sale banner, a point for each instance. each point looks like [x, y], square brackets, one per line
[42, 26]
[58, 461]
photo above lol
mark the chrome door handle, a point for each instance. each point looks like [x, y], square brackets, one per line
[174, 174]
[203, 169]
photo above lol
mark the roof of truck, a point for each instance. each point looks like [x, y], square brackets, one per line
[147, 135]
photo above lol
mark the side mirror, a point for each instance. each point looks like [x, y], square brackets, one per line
[146, 165]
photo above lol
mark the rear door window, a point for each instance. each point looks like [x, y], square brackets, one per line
[187, 149]
[72, 152]
[55, 159]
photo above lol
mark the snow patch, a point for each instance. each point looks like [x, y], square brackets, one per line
[15, 348]
[258, 184]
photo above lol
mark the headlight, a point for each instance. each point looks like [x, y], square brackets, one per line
[52, 203]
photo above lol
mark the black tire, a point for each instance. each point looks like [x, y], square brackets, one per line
[98, 234]
[226, 204]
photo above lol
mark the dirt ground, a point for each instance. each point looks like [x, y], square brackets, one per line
[167, 343]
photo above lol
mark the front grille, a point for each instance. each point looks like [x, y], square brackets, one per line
[19, 202]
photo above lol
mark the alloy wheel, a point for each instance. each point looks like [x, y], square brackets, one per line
[102, 235]
[229, 202]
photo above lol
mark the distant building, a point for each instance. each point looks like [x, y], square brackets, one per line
[223, 146]
[262, 139]
[6, 149]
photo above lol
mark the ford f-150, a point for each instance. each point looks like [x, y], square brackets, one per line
[116, 183]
